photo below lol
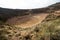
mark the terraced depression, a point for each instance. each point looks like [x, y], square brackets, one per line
[27, 20]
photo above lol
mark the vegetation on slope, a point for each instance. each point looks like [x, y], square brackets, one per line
[49, 29]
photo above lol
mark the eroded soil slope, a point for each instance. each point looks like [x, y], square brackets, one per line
[27, 20]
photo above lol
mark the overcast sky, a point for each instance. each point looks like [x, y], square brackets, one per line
[26, 4]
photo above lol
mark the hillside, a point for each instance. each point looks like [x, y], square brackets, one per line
[27, 21]
[6, 13]
[30, 24]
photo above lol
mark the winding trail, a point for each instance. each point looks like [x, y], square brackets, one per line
[27, 21]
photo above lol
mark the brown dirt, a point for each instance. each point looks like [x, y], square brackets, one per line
[27, 20]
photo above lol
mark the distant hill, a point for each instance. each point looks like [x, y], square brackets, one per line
[6, 13]
[48, 9]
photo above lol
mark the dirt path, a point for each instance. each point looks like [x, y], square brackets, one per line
[27, 21]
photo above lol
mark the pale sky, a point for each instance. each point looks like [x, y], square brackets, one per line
[26, 4]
